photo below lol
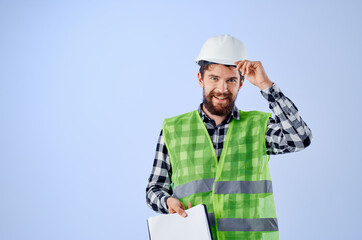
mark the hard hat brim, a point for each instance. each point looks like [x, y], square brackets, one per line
[216, 61]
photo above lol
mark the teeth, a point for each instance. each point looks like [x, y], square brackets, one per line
[220, 98]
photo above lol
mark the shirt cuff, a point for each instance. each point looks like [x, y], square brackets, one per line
[163, 202]
[272, 94]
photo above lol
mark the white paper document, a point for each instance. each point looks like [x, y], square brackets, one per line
[173, 226]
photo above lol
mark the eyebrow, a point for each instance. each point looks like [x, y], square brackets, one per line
[230, 78]
[212, 75]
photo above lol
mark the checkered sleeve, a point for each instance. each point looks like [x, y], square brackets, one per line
[287, 132]
[159, 187]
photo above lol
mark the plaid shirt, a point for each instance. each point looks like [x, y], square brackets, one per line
[286, 133]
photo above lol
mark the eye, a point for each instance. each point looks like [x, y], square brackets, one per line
[232, 80]
[214, 78]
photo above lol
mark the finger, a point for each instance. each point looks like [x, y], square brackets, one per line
[180, 209]
[240, 62]
[244, 67]
[190, 206]
[247, 68]
[240, 65]
[181, 212]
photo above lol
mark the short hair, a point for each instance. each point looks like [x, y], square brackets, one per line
[205, 65]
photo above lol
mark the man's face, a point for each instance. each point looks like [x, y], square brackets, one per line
[221, 85]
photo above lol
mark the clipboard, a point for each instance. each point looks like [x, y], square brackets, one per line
[195, 226]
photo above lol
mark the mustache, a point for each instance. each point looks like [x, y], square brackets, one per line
[223, 95]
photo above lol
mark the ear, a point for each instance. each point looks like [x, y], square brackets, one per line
[201, 82]
[241, 84]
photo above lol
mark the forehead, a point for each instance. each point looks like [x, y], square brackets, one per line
[222, 71]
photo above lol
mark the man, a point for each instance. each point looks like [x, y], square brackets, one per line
[218, 155]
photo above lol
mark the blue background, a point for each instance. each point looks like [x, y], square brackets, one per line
[85, 86]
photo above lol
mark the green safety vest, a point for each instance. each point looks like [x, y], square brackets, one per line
[237, 189]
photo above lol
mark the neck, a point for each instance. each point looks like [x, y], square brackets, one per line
[216, 118]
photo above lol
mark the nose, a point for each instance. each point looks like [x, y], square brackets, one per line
[222, 86]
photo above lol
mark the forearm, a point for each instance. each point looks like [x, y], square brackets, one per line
[159, 185]
[287, 132]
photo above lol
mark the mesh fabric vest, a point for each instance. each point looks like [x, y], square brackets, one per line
[237, 189]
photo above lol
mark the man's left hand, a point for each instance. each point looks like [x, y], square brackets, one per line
[255, 73]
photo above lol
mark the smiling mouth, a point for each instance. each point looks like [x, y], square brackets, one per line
[221, 98]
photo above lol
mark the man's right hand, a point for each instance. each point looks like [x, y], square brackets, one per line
[175, 206]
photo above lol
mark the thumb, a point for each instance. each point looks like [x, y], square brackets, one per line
[181, 210]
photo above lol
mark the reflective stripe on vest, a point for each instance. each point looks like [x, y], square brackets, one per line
[245, 224]
[226, 187]
[198, 186]
[229, 187]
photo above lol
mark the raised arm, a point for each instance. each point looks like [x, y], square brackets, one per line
[286, 132]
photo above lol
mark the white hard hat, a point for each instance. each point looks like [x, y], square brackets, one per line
[222, 49]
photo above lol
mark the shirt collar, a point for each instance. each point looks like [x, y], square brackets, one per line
[234, 114]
